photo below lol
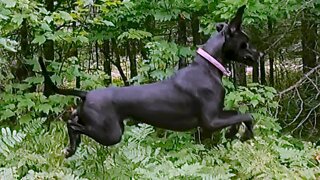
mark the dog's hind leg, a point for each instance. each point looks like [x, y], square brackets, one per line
[74, 136]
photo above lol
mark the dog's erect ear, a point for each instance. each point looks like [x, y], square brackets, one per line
[235, 23]
[220, 26]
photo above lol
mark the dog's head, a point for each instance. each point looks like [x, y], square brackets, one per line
[237, 46]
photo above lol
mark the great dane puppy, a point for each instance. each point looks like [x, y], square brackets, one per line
[193, 97]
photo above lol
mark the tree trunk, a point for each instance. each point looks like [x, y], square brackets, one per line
[195, 24]
[48, 46]
[262, 72]
[150, 27]
[117, 63]
[308, 40]
[131, 51]
[271, 57]
[271, 64]
[255, 73]
[97, 54]
[21, 70]
[107, 65]
[182, 38]
[240, 74]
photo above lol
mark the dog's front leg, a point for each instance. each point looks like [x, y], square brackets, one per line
[248, 134]
[213, 118]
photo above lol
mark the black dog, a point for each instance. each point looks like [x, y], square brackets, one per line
[191, 98]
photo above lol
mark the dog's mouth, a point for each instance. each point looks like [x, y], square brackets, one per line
[249, 60]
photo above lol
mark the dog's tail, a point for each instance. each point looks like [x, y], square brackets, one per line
[50, 88]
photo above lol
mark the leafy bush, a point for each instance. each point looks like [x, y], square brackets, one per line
[162, 62]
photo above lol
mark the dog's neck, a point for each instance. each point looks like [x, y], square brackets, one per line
[213, 47]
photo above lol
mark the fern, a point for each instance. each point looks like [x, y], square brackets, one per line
[8, 173]
[137, 154]
[34, 125]
[51, 175]
[9, 139]
[139, 133]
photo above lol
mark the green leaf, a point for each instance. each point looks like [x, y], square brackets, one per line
[45, 108]
[25, 119]
[185, 51]
[108, 23]
[7, 114]
[83, 39]
[9, 3]
[39, 39]
[271, 89]
[254, 102]
[8, 44]
[17, 18]
[269, 95]
[65, 16]
[26, 103]
[243, 108]
[48, 19]
[34, 80]
[45, 27]
[87, 2]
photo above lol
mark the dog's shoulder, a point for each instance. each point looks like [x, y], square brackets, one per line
[194, 79]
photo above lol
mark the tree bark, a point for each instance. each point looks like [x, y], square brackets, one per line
[240, 74]
[271, 56]
[117, 63]
[255, 73]
[262, 72]
[308, 40]
[150, 27]
[97, 54]
[48, 46]
[182, 38]
[21, 70]
[195, 24]
[131, 52]
[107, 62]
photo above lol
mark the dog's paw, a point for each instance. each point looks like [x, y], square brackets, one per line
[68, 152]
[248, 134]
[231, 132]
[76, 126]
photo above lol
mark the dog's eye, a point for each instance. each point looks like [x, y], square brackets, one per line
[243, 45]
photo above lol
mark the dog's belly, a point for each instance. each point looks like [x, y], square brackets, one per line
[165, 113]
[160, 104]
[168, 121]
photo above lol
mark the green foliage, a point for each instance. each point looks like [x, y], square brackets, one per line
[252, 97]
[162, 62]
[134, 34]
[144, 154]
[30, 146]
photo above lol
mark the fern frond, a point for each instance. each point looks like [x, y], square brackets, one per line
[9, 139]
[34, 125]
[8, 173]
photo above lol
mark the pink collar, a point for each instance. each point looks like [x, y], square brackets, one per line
[213, 61]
